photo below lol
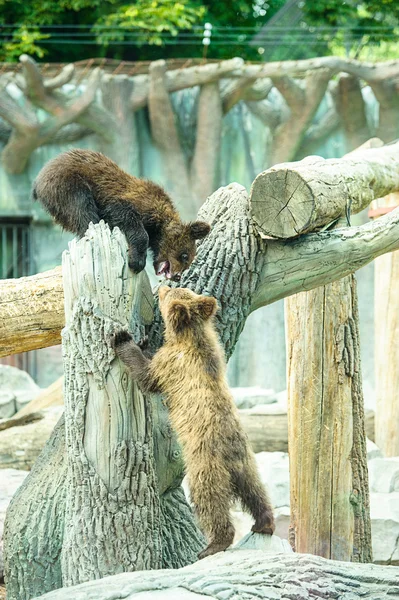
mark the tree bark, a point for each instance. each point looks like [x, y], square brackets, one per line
[386, 347]
[292, 199]
[249, 574]
[31, 312]
[327, 443]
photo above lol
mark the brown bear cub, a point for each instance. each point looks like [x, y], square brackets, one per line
[190, 370]
[80, 186]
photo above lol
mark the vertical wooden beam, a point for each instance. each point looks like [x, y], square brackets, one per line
[326, 435]
[386, 323]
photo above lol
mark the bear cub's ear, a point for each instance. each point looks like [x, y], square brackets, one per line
[179, 315]
[207, 306]
[199, 230]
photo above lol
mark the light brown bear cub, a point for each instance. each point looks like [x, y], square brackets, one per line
[190, 370]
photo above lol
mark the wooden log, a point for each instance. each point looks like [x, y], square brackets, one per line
[330, 514]
[31, 312]
[291, 199]
[386, 324]
[19, 449]
[250, 574]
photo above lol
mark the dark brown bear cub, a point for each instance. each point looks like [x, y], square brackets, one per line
[82, 186]
[190, 370]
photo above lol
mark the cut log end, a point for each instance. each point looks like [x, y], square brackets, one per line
[281, 203]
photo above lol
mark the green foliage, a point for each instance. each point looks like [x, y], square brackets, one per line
[150, 20]
[357, 28]
[68, 30]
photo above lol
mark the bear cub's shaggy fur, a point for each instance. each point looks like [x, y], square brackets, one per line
[190, 370]
[80, 186]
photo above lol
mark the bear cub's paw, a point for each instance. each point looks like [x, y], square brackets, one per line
[213, 548]
[265, 523]
[137, 261]
[120, 338]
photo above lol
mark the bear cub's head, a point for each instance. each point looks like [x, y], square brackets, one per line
[177, 248]
[182, 309]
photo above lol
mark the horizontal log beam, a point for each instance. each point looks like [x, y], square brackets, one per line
[315, 259]
[370, 72]
[180, 79]
[291, 199]
[31, 312]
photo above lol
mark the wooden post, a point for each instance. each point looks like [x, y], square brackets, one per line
[326, 438]
[386, 323]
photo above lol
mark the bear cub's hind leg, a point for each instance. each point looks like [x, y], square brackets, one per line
[211, 495]
[250, 490]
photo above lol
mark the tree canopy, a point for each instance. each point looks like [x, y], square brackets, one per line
[68, 30]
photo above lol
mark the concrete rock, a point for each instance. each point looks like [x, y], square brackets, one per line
[373, 450]
[10, 480]
[8, 406]
[274, 471]
[384, 510]
[248, 397]
[384, 475]
[18, 383]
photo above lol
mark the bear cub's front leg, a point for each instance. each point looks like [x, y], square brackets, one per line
[133, 357]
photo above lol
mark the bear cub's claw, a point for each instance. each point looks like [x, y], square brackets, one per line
[120, 337]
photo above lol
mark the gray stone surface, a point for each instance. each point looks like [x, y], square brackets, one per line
[384, 510]
[384, 475]
[20, 384]
[373, 450]
[246, 575]
[10, 480]
[8, 406]
[248, 397]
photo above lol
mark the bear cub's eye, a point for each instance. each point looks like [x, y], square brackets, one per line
[184, 257]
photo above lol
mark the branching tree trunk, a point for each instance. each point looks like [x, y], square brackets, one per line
[352, 109]
[303, 100]
[28, 132]
[190, 181]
